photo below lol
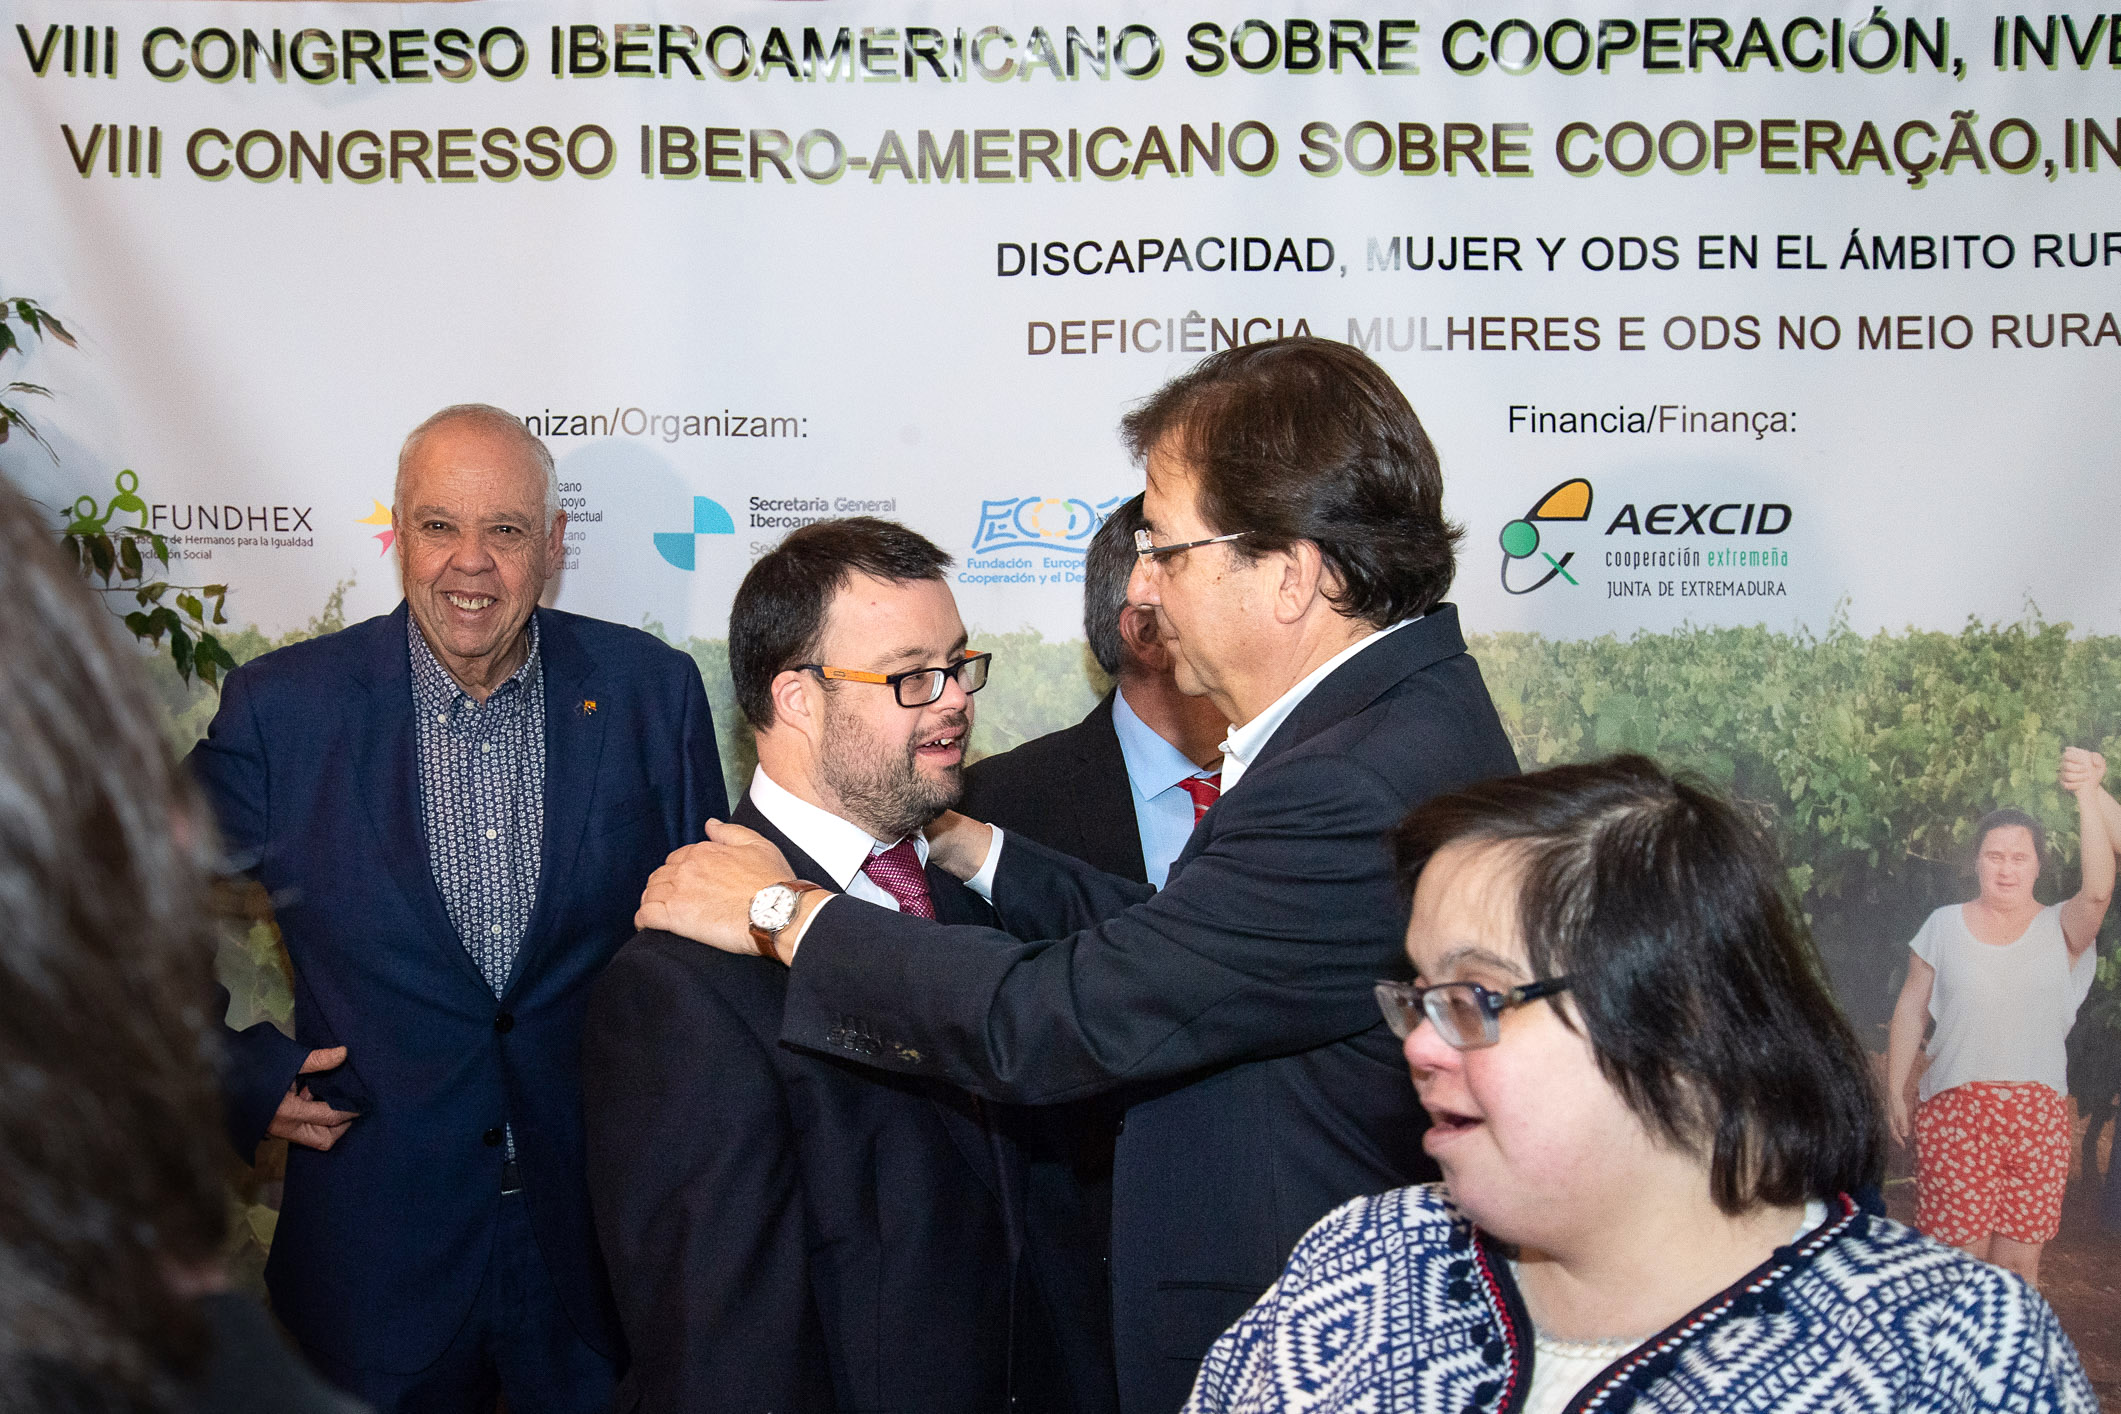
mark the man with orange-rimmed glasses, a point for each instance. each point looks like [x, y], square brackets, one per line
[787, 1231]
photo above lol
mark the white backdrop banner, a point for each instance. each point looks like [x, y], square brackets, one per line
[1729, 317]
[1771, 353]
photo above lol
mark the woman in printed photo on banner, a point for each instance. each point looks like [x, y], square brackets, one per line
[2003, 976]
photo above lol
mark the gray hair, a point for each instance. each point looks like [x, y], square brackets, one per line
[1106, 570]
[493, 419]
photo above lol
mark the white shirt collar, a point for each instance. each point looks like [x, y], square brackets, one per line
[1244, 743]
[839, 846]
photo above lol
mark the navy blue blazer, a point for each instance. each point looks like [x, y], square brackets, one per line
[1067, 790]
[789, 1233]
[1231, 1012]
[310, 767]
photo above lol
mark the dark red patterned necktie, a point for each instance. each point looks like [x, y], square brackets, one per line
[898, 872]
[1204, 790]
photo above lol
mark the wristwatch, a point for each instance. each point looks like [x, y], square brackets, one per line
[772, 909]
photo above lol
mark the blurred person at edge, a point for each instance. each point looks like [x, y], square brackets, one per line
[2002, 977]
[1650, 1117]
[113, 1171]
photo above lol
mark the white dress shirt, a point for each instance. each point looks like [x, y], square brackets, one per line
[1244, 743]
[839, 846]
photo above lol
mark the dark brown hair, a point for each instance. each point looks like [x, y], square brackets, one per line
[1696, 982]
[779, 611]
[1308, 439]
[113, 1163]
[1106, 570]
[2003, 819]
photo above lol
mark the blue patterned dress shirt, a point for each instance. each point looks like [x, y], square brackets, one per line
[482, 799]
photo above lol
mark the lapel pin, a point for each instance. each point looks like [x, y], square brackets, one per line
[589, 706]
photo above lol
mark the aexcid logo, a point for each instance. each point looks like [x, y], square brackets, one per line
[679, 547]
[1521, 540]
[1697, 537]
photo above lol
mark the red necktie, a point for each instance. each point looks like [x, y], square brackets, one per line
[1204, 790]
[898, 872]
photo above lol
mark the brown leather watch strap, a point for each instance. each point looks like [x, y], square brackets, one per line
[763, 940]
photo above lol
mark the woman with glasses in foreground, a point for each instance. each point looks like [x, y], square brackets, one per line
[1650, 1116]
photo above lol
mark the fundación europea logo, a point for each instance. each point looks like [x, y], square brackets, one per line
[1040, 523]
[1570, 501]
[679, 547]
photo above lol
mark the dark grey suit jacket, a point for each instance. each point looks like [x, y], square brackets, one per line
[1068, 790]
[1232, 1011]
[791, 1233]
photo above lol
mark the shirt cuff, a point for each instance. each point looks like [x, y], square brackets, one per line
[982, 883]
[795, 939]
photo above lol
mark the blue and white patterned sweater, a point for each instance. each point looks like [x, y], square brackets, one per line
[1396, 1303]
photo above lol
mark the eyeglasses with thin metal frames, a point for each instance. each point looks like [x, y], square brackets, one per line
[916, 687]
[1466, 1015]
[1148, 549]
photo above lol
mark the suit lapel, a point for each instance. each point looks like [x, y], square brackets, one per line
[386, 757]
[970, 1119]
[975, 1140]
[574, 747]
[804, 867]
[1352, 687]
[1102, 783]
[955, 904]
[1369, 675]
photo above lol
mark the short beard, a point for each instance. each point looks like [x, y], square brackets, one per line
[885, 792]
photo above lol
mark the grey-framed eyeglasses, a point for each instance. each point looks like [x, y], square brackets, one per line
[1148, 549]
[916, 687]
[1467, 1015]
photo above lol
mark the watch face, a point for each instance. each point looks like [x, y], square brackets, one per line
[772, 907]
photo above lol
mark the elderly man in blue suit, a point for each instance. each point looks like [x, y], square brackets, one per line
[454, 808]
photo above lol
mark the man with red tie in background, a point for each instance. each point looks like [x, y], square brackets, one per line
[785, 1231]
[1121, 790]
[1147, 756]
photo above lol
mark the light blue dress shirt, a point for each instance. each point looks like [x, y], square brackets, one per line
[1162, 810]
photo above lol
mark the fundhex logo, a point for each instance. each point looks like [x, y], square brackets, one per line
[1521, 540]
[192, 527]
[679, 548]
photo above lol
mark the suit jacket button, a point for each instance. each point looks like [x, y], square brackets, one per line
[504, 1023]
[492, 1137]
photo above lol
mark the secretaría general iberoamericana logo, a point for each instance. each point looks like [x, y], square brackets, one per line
[680, 548]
